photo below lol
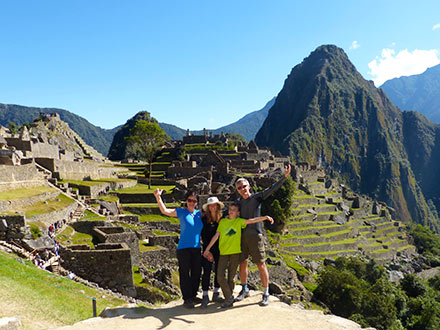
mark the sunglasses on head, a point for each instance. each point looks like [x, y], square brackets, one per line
[242, 187]
[190, 200]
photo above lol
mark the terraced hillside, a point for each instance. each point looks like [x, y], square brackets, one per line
[326, 224]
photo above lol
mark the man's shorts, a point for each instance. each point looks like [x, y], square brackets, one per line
[253, 245]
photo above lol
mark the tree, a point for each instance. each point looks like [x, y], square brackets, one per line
[279, 205]
[145, 139]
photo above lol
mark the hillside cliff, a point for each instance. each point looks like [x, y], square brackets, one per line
[328, 113]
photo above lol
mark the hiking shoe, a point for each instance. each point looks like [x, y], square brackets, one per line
[196, 300]
[189, 303]
[216, 297]
[243, 294]
[265, 300]
[205, 301]
[228, 302]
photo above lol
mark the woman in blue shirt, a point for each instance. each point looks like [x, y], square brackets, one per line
[188, 248]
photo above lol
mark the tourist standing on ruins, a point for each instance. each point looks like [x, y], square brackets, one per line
[188, 249]
[229, 233]
[252, 242]
[211, 217]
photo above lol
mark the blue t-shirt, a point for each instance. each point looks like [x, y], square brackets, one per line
[190, 228]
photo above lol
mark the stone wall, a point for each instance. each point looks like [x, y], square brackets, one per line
[72, 170]
[51, 217]
[45, 150]
[109, 265]
[186, 172]
[119, 235]
[11, 227]
[19, 144]
[14, 177]
[155, 258]
[14, 204]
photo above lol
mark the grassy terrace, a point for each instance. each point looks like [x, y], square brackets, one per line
[144, 247]
[149, 205]
[154, 217]
[143, 189]
[45, 299]
[44, 207]
[24, 193]
[314, 235]
[71, 237]
[89, 216]
[93, 182]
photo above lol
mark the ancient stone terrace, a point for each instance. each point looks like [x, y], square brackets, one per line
[325, 225]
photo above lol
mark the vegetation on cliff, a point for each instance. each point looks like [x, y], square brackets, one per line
[327, 113]
[118, 148]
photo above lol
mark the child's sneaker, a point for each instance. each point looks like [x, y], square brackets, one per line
[243, 294]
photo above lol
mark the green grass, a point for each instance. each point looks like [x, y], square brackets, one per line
[143, 189]
[158, 232]
[71, 237]
[310, 286]
[157, 217]
[82, 183]
[37, 296]
[168, 205]
[332, 253]
[290, 261]
[109, 198]
[44, 207]
[143, 247]
[89, 216]
[24, 192]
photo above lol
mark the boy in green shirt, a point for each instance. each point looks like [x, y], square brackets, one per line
[229, 232]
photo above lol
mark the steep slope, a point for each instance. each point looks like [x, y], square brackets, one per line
[246, 126]
[422, 143]
[419, 92]
[327, 113]
[97, 137]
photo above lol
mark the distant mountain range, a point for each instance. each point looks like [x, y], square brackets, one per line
[95, 136]
[247, 126]
[101, 139]
[419, 92]
[328, 113]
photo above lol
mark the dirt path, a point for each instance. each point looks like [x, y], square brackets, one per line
[244, 315]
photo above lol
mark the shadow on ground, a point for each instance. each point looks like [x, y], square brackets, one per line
[167, 314]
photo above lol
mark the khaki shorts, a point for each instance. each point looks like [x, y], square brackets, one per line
[253, 245]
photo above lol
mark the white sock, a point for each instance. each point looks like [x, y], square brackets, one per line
[266, 291]
[205, 293]
[216, 290]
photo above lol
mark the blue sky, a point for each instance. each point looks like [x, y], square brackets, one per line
[196, 64]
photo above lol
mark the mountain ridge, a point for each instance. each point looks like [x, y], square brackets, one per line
[327, 113]
[419, 92]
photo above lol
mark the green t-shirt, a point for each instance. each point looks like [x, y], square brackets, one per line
[230, 235]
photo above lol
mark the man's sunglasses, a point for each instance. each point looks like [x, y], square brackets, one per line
[242, 187]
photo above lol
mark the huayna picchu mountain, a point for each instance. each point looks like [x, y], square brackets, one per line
[328, 113]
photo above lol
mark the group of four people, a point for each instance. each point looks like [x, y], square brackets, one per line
[227, 243]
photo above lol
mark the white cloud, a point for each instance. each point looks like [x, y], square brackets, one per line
[405, 63]
[354, 45]
[435, 27]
